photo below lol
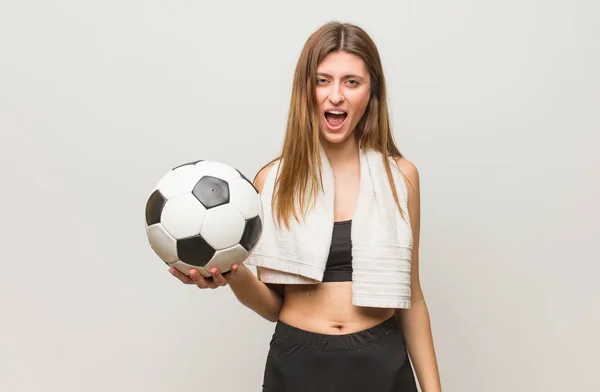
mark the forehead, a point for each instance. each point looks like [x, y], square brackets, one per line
[341, 63]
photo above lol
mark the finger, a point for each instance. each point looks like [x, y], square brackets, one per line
[217, 277]
[199, 279]
[181, 276]
[232, 274]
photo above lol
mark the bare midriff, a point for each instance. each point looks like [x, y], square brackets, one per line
[327, 308]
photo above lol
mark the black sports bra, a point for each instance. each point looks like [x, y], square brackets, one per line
[339, 262]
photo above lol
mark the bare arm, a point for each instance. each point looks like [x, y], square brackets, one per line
[415, 321]
[257, 296]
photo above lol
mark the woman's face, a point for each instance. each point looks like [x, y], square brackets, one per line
[342, 93]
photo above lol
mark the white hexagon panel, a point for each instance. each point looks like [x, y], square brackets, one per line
[245, 198]
[223, 226]
[183, 216]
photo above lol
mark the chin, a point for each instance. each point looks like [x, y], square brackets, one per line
[335, 138]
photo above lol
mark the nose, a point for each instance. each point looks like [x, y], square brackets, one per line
[336, 95]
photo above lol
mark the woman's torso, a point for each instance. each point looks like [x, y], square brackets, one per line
[327, 307]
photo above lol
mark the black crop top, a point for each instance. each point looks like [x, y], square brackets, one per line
[339, 262]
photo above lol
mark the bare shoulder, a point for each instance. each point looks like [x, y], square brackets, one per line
[261, 176]
[410, 172]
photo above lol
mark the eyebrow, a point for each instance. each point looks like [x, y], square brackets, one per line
[346, 76]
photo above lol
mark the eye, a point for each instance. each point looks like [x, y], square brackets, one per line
[321, 81]
[353, 82]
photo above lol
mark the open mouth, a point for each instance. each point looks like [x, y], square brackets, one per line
[335, 119]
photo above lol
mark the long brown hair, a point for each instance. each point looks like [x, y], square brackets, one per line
[299, 176]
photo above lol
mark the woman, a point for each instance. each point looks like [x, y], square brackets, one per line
[338, 328]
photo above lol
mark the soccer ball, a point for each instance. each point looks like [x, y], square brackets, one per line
[203, 214]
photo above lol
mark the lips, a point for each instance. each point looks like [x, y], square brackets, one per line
[335, 118]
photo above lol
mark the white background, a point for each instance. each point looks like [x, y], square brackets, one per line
[496, 103]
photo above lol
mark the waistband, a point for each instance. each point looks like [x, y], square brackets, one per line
[337, 342]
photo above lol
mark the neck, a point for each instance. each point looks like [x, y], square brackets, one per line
[340, 154]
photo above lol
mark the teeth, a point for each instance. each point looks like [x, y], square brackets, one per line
[335, 112]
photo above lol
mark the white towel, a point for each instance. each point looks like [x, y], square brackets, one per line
[381, 237]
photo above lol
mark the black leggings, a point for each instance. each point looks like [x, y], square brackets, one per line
[372, 360]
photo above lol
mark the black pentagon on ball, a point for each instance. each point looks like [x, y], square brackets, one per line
[154, 207]
[194, 251]
[252, 232]
[211, 191]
